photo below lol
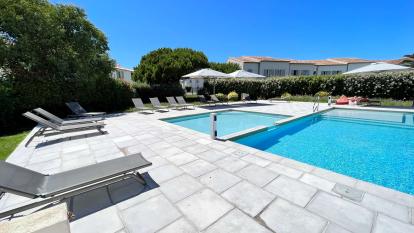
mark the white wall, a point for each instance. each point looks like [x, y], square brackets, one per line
[122, 74]
[195, 84]
[250, 67]
[341, 68]
[294, 66]
[354, 66]
[274, 66]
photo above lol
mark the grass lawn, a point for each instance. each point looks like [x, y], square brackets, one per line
[9, 142]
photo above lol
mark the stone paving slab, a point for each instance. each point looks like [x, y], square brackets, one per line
[94, 223]
[204, 208]
[292, 190]
[344, 213]
[284, 217]
[389, 225]
[180, 187]
[249, 198]
[219, 180]
[257, 175]
[179, 226]
[150, 216]
[237, 222]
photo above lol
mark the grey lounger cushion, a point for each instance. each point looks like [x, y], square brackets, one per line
[28, 183]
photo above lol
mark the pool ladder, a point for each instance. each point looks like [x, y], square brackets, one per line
[316, 101]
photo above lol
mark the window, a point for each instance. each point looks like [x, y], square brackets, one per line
[119, 74]
[304, 72]
[249, 70]
[271, 72]
[325, 72]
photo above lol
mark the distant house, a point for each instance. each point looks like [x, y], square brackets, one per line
[122, 73]
[271, 67]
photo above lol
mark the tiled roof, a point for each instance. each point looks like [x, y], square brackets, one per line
[326, 62]
[119, 67]
[350, 60]
[258, 59]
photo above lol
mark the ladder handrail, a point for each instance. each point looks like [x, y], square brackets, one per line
[316, 103]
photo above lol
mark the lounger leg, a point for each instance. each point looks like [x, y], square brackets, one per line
[139, 178]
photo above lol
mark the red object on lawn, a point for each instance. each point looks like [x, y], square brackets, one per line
[342, 101]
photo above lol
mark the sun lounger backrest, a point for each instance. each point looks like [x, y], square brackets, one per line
[138, 102]
[76, 108]
[155, 102]
[202, 98]
[49, 115]
[40, 120]
[214, 98]
[181, 100]
[171, 100]
[20, 180]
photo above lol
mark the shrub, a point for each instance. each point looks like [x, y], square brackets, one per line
[221, 96]
[286, 95]
[322, 93]
[395, 85]
[233, 96]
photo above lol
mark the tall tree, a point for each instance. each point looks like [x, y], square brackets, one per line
[408, 60]
[39, 39]
[224, 67]
[166, 65]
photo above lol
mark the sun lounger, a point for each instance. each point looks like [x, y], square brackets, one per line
[60, 186]
[246, 98]
[157, 105]
[139, 105]
[203, 100]
[48, 126]
[79, 111]
[216, 100]
[59, 121]
[182, 101]
[173, 103]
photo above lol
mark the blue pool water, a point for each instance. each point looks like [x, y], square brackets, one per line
[228, 122]
[374, 146]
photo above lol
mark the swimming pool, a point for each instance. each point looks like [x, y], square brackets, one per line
[374, 146]
[228, 122]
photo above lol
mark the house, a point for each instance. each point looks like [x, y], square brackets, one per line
[122, 73]
[270, 67]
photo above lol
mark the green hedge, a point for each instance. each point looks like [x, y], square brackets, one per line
[383, 85]
[146, 91]
[95, 94]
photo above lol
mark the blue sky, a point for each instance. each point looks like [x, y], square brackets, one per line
[314, 29]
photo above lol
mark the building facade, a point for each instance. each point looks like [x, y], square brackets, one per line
[122, 73]
[271, 67]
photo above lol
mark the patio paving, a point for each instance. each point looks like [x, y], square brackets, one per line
[200, 185]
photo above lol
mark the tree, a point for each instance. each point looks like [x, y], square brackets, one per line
[408, 60]
[167, 66]
[224, 67]
[49, 54]
[38, 39]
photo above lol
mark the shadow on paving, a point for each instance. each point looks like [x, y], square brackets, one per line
[93, 201]
[226, 106]
[69, 138]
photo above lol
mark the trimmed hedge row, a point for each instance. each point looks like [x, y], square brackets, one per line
[382, 85]
[24, 94]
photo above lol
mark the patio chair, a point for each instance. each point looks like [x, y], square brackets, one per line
[246, 98]
[59, 121]
[139, 105]
[157, 105]
[173, 103]
[216, 100]
[203, 100]
[79, 111]
[48, 126]
[60, 186]
[182, 101]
